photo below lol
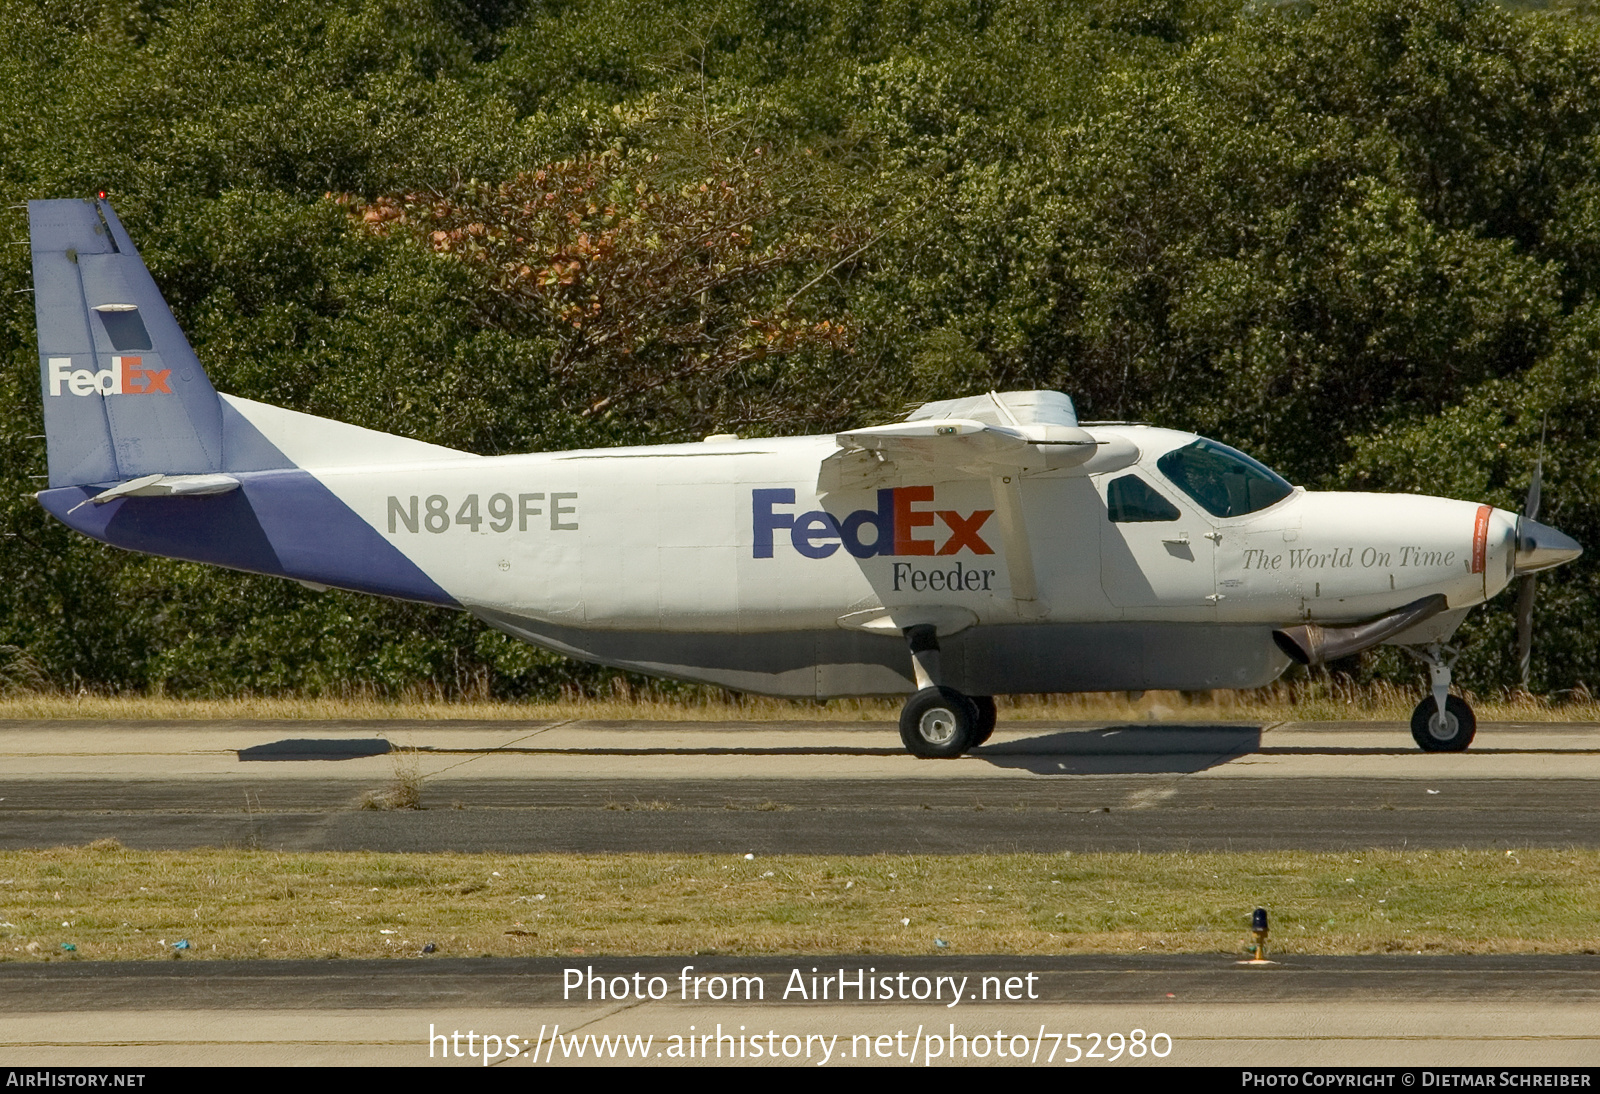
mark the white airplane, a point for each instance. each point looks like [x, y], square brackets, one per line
[982, 546]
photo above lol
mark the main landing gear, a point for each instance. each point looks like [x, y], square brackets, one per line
[939, 722]
[1442, 722]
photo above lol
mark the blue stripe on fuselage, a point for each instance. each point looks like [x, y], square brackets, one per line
[280, 523]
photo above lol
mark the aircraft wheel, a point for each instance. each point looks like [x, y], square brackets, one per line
[938, 723]
[987, 717]
[1452, 733]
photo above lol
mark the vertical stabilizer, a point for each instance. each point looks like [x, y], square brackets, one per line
[124, 395]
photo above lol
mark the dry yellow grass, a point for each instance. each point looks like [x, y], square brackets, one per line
[1314, 701]
[112, 903]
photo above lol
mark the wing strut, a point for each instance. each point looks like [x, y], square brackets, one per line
[1018, 548]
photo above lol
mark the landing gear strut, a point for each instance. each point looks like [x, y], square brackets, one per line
[1441, 722]
[939, 722]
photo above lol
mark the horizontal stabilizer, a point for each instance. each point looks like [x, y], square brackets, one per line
[169, 486]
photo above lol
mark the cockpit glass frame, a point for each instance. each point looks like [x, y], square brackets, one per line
[1223, 481]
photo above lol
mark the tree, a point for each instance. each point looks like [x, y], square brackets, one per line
[688, 296]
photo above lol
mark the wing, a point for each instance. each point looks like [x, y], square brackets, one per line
[951, 448]
[943, 449]
[933, 446]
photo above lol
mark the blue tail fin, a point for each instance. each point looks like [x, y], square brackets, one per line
[124, 395]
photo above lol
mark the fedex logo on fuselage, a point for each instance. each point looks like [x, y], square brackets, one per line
[126, 376]
[898, 526]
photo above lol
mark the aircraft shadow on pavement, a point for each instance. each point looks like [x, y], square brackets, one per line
[668, 750]
[360, 748]
[307, 748]
[1125, 750]
[1407, 750]
[1105, 750]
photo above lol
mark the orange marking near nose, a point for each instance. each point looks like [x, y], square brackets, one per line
[1480, 538]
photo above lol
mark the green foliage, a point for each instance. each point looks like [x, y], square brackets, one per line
[662, 302]
[1361, 240]
[1485, 448]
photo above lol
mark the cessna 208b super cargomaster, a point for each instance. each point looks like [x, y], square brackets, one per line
[982, 546]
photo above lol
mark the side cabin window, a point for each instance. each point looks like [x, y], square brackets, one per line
[1225, 482]
[1131, 500]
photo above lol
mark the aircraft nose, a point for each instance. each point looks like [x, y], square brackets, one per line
[1539, 547]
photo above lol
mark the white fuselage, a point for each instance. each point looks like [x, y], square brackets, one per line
[796, 566]
[702, 537]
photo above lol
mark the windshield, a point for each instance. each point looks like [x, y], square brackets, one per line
[1225, 482]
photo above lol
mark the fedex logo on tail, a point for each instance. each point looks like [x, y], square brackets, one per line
[897, 526]
[126, 376]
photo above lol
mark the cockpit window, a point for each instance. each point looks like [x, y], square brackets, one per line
[1225, 482]
[1131, 500]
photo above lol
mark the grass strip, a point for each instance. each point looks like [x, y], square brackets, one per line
[1316, 700]
[110, 903]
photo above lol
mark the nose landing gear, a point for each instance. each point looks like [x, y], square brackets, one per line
[1442, 722]
[1451, 731]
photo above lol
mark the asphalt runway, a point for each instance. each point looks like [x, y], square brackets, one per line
[800, 787]
[1525, 1011]
[805, 787]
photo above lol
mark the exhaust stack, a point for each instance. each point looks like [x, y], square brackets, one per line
[1312, 644]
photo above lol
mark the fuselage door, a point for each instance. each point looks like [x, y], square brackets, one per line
[1156, 550]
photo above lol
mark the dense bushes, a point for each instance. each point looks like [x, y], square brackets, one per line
[1361, 240]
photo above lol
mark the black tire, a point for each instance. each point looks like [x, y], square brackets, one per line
[987, 717]
[938, 723]
[1459, 726]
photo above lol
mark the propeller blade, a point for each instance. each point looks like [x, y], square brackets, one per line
[1530, 511]
[1530, 507]
[1525, 627]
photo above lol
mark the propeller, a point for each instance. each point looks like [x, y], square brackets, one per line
[1525, 587]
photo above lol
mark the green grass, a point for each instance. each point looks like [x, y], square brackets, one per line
[112, 903]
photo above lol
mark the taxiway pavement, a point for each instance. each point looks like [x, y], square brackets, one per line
[803, 787]
[1388, 1011]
